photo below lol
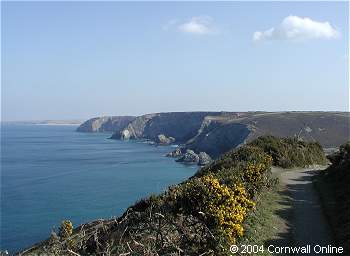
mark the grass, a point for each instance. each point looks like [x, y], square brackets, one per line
[333, 186]
[265, 225]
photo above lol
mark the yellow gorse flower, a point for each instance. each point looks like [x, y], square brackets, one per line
[228, 206]
[223, 207]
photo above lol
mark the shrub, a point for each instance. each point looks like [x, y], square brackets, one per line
[223, 208]
[222, 194]
[66, 229]
[341, 156]
[235, 159]
[336, 179]
[291, 152]
[247, 165]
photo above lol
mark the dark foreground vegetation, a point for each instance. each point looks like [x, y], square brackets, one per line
[334, 186]
[201, 216]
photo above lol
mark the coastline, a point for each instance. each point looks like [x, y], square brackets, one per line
[57, 124]
[119, 174]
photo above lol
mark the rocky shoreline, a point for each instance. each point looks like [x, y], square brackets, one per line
[188, 156]
[203, 136]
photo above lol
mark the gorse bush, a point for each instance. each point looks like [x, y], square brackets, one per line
[219, 197]
[228, 207]
[221, 207]
[291, 152]
[235, 159]
[247, 165]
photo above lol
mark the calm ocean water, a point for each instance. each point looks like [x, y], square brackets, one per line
[51, 173]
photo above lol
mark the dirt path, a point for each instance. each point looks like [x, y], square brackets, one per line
[305, 218]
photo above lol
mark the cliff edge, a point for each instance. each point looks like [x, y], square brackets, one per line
[105, 124]
[218, 132]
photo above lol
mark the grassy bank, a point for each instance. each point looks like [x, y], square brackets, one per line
[333, 185]
[264, 225]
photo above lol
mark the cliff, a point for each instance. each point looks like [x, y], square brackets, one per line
[105, 124]
[218, 132]
[218, 135]
[182, 126]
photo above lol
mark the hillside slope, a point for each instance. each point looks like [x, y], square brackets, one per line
[218, 132]
[105, 124]
[330, 129]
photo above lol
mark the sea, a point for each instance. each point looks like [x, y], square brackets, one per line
[50, 173]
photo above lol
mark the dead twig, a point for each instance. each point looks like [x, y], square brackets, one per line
[74, 253]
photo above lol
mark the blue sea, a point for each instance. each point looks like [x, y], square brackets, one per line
[50, 173]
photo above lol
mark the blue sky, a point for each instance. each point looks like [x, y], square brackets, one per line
[67, 60]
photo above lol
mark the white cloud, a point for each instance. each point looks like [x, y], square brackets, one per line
[200, 25]
[298, 28]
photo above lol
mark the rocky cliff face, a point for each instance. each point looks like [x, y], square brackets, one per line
[218, 132]
[181, 126]
[217, 136]
[105, 124]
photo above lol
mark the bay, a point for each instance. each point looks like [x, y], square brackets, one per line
[50, 173]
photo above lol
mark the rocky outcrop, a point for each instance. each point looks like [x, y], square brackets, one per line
[125, 135]
[161, 139]
[217, 138]
[136, 127]
[176, 153]
[106, 124]
[204, 159]
[189, 157]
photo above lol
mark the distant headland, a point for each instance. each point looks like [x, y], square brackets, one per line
[215, 133]
[47, 122]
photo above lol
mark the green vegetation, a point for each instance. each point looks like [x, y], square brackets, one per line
[291, 152]
[334, 188]
[201, 216]
[66, 229]
[263, 225]
[206, 213]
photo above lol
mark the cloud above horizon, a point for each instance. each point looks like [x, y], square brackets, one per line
[297, 28]
[197, 25]
[200, 25]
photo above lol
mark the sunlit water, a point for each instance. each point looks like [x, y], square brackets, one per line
[51, 173]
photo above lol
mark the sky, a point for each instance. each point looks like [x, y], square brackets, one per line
[76, 60]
